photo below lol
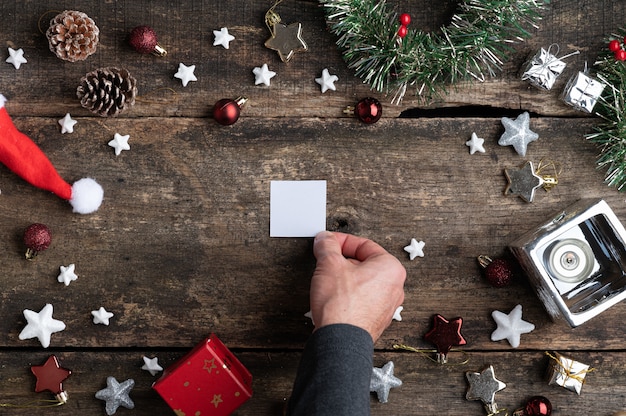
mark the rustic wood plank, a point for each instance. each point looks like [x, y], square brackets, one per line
[186, 216]
[186, 32]
[427, 388]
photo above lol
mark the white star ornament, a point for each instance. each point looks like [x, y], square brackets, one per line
[185, 73]
[16, 57]
[119, 143]
[41, 325]
[510, 326]
[67, 124]
[327, 81]
[101, 316]
[222, 37]
[262, 75]
[415, 249]
[151, 365]
[475, 144]
[67, 274]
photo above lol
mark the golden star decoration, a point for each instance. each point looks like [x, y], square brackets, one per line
[217, 399]
[286, 40]
[209, 365]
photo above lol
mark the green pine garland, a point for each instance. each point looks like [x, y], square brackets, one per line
[610, 134]
[477, 41]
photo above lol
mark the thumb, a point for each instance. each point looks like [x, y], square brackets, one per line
[325, 244]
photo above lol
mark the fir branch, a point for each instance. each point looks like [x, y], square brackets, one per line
[476, 43]
[610, 134]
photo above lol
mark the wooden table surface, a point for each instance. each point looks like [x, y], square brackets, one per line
[180, 247]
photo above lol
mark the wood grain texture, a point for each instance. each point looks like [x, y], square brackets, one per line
[180, 247]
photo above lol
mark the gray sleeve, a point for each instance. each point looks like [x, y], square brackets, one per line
[334, 374]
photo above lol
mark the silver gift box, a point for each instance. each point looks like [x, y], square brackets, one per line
[543, 69]
[576, 261]
[582, 92]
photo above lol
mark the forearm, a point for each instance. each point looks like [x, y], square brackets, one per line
[334, 373]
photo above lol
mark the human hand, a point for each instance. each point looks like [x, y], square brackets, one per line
[356, 282]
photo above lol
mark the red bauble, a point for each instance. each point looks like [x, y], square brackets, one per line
[402, 31]
[368, 110]
[37, 237]
[620, 55]
[143, 39]
[498, 272]
[226, 111]
[614, 46]
[538, 406]
[405, 19]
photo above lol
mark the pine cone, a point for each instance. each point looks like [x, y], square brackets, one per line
[72, 35]
[107, 91]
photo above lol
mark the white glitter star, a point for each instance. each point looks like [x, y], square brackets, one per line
[16, 57]
[327, 81]
[510, 326]
[475, 144]
[120, 143]
[101, 316]
[415, 249]
[517, 133]
[396, 314]
[383, 380]
[41, 325]
[262, 75]
[151, 365]
[222, 37]
[116, 395]
[67, 124]
[185, 73]
[67, 274]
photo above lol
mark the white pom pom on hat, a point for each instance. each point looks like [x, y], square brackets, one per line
[23, 157]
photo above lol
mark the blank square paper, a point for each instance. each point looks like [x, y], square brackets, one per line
[297, 208]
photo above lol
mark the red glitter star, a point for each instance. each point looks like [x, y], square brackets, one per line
[50, 376]
[445, 335]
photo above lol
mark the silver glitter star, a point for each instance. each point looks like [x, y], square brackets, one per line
[383, 380]
[484, 386]
[523, 182]
[517, 133]
[116, 395]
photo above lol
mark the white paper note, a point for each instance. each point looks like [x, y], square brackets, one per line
[297, 208]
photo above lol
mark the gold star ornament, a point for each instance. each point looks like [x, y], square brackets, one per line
[284, 39]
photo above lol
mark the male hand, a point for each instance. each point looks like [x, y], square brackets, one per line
[356, 282]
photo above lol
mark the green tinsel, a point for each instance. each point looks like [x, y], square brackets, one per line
[610, 134]
[476, 42]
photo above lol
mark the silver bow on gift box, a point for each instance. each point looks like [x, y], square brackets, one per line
[544, 68]
[582, 92]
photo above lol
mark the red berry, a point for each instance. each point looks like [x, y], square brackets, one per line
[499, 273]
[37, 238]
[620, 55]
[614, 46]
[402, 31]
[405, 19]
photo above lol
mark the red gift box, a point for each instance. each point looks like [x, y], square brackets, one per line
[209, 380]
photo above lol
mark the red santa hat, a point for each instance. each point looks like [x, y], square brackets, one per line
[20, 154]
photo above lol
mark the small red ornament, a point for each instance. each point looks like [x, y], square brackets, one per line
[402, 31]
[405, 19]
[614, 45]
[368, 110]
[620, 55]
[445, 335]
[226, 111]
[143, 39]
[498, 272]
[538, 406]
[50, 377]
[37, 238]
